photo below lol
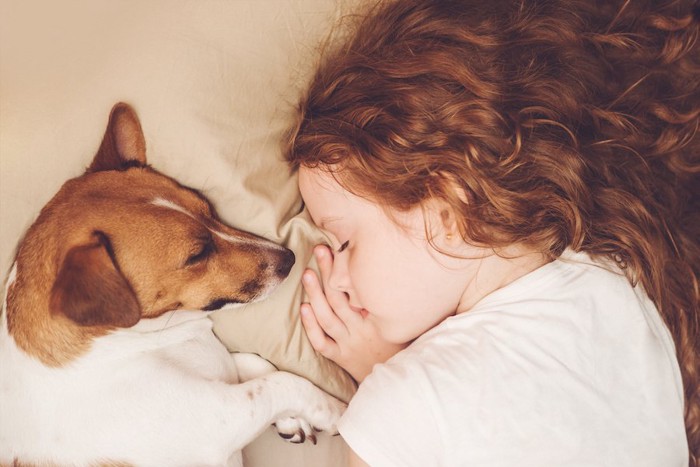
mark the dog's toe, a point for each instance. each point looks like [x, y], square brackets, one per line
[295, 430]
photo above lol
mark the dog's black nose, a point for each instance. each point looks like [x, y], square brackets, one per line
[286, 261]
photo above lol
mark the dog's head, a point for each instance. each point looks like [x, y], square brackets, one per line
[123, 242]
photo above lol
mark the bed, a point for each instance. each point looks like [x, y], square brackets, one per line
[215, 83]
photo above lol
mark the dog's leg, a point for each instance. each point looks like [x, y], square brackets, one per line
[251, 366]
[257, 403]
[293, 429]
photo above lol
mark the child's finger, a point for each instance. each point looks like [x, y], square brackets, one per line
[324, 259]
[318, 338]
[323, 312]
[337, 300]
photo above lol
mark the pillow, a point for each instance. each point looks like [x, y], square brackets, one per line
[214, 84]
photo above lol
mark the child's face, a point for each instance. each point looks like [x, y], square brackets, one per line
[390, 271]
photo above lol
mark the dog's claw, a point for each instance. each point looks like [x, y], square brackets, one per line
[295, 430]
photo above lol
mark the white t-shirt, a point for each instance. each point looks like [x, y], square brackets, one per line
[566, 366]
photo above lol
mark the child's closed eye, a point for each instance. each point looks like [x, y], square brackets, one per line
[343, 247]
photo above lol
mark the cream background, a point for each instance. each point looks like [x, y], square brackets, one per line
[214, 83]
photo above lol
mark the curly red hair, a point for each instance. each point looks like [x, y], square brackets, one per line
[562, 124]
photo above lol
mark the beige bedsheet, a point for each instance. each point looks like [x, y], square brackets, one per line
[214, 83]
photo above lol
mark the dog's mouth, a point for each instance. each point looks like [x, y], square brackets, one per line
[219, 303]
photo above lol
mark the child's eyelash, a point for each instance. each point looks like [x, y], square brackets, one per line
[342, 247]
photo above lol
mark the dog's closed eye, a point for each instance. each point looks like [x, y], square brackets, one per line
[204, 250]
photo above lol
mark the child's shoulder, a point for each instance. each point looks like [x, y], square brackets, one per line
[574, 280]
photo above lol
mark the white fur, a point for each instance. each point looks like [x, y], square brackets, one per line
[162, 393]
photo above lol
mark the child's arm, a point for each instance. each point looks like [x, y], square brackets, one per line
[335, 330]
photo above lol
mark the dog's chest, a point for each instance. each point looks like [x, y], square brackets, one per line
[113, 394]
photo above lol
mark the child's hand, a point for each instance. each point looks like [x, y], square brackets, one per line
[335, 330]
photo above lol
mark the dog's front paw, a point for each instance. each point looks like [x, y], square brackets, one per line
[324, 413]
[302, 407]
[320, 416]
[295, 430]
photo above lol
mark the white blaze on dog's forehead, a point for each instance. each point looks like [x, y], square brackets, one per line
[170, 205]
[162, 202]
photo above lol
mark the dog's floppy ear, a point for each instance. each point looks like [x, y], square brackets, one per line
[123, 145]
[90, 289]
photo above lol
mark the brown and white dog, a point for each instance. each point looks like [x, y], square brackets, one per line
[99, 364]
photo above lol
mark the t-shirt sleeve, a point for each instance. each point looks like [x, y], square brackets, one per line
[390, 421]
